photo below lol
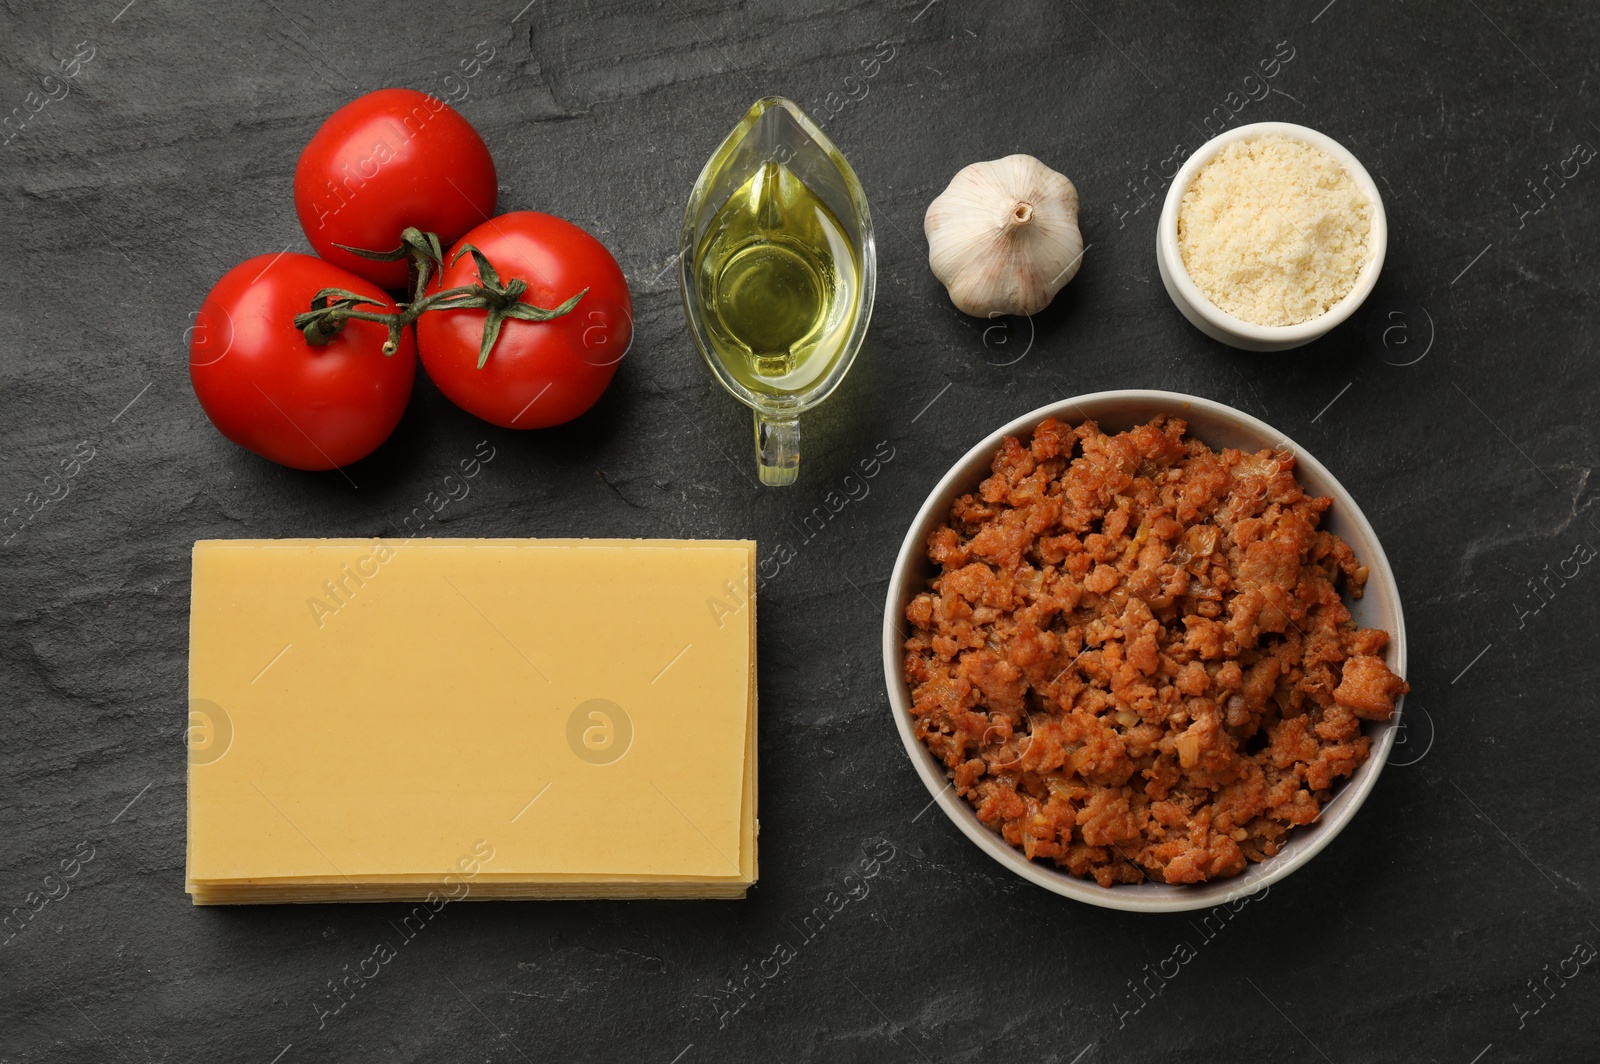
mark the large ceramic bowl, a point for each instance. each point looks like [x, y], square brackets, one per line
[1218, 426]
[1218, 323]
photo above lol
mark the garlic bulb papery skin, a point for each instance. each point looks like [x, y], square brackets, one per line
[1003, 237]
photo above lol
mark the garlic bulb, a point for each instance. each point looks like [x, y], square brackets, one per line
[1003, 237]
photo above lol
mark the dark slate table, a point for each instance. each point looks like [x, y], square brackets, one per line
[1446, 924]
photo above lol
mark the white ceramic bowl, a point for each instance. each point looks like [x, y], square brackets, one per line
[1218, 426]
[1213, 320]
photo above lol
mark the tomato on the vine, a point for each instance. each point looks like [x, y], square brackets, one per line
[538, 373]
[268, 389]
[385, 161]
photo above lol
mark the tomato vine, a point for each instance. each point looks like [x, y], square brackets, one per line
[331, 308]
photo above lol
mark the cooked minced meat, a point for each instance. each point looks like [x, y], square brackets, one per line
[1135, 661]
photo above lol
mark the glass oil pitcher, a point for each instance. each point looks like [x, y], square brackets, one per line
[778, 270]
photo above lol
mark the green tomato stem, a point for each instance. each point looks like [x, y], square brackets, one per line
[331, 308]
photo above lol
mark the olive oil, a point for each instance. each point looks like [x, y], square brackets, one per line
[780, 283]
[777, 268]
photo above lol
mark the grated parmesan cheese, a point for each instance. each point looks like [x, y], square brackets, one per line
[1273, 230]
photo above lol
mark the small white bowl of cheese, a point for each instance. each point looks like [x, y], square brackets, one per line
[1271, 235]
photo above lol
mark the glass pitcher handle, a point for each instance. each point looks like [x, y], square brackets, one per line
[777, 449]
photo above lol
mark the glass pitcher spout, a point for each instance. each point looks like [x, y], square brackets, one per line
[778, 272]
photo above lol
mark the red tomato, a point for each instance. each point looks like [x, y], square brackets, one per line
[540, 373]
[391, 159]
[268, 390]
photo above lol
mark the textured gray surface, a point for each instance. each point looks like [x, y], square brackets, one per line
[1413, 938]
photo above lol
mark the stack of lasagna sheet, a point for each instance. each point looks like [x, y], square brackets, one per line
[471, 719]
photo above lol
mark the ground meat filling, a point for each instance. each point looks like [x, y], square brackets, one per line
[1135, 661]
